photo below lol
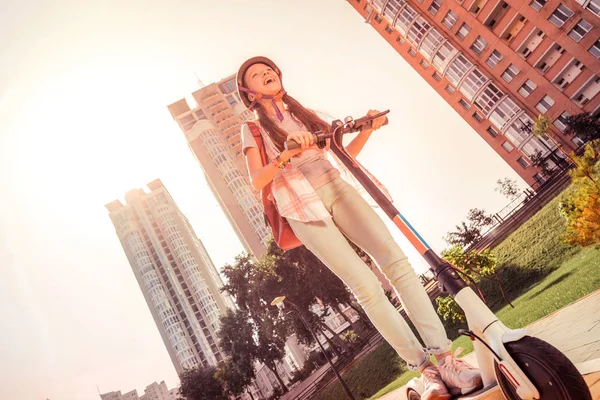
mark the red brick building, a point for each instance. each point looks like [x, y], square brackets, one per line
[501, 63]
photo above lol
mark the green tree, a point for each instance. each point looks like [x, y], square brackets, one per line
[584, 126]
[476, 265]
[248, 283]
[236, 376]
[508, 188]
[581, 207]
[237, 342]
[200, 383]
[466, 234]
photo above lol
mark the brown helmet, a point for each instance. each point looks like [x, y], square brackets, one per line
[241, 89]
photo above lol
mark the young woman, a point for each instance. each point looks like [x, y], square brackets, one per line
[321, 207]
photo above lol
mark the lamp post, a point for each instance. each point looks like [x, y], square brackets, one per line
[279, 303]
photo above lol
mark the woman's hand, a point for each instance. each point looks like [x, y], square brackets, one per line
[377, 122]
[303, 138]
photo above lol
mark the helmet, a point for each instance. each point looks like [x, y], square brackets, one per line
[241, 89]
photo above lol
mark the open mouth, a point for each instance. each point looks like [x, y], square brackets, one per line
[269, 80]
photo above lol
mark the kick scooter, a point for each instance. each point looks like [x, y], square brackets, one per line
[524, 367]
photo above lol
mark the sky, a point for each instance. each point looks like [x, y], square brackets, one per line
[84, 87]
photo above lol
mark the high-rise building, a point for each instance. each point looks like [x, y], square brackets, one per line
[154, 391]
[175, 273]
[501, 63]
[211, 120]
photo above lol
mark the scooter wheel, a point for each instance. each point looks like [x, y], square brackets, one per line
[552, 373]
[413, 395]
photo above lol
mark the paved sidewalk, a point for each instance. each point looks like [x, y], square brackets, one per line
[575, 330]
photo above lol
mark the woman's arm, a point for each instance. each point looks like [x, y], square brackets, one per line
[261, 176]
[357, 144]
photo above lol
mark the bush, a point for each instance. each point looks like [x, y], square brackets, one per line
[314, 361]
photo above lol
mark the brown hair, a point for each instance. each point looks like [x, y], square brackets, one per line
[308, 118]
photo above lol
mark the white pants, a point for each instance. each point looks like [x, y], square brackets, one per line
[354, 217]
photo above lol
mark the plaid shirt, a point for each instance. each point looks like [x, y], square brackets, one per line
[295, 197]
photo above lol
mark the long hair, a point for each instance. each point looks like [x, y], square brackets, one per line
[309, 119]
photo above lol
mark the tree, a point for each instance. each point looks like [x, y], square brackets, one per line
[541, 162]
[541, 130]
[584, 126]
[508, 188]
[237, 341]
[465, 234]
[200, 383]
[475, 265]
[248, 283]
[236, 376]
[581, 207]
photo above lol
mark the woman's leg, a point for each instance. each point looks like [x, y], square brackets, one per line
[361, 224]
[324, 239]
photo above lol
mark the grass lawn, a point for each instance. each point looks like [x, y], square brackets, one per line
[574, 279]
[538, 271]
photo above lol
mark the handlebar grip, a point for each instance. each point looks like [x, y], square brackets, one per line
[292, 144]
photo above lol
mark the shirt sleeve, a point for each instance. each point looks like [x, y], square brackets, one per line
[247, 138]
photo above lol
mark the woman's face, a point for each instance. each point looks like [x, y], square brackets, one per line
[262, 79]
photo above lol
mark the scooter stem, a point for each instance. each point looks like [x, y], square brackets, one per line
[449, 280]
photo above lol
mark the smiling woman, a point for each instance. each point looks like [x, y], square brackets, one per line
[86, 121]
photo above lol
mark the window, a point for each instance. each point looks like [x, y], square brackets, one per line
[595, 49]
[477, 117]
[528, 87]
[458, 69]
[412, 52]
[405, 18]
[443, 56]
[494, 58]
[378, 18]
[509, 74]
[430, 43]
[488, 98]
[450, 89]
[435, 6]
[424, 64]
[577, 141]
[591, 5]
[478, 45]
[560, 15]
[228, 86]
[472, 83]
[391, 9]
[503, 113]
[544, 104]
[523, 162]
[580, 30]
[507, 146]
[561, 121]
[417, 31]
[537, 4]
[464, 104]
[437, 76]
[400, 39]
[463, 31]
[492, 131]
[389, 29]
[450, 19]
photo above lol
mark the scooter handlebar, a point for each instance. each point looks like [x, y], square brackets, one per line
[318, 136]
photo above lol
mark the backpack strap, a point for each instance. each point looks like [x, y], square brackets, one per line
[259, 141]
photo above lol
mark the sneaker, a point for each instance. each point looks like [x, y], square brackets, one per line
[433, 385]
[459, 376]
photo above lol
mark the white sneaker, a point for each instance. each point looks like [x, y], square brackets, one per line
[433, 385]
[459, 376]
